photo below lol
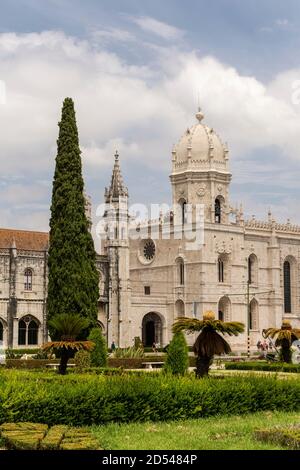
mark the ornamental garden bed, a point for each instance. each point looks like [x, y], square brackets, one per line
[36, 436]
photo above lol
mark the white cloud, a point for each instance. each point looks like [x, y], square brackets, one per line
[141, 110]
[159, 28]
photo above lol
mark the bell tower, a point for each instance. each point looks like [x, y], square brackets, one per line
[200, 173]
[116, 247]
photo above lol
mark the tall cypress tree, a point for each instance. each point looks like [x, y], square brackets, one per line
[73, 278]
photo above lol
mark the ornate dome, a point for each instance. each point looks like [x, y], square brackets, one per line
[200, 148]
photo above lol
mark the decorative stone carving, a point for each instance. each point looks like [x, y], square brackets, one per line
[201, 189]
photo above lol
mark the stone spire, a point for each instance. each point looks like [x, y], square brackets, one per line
[117, 187]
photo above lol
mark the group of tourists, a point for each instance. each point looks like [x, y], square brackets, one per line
[264, 346]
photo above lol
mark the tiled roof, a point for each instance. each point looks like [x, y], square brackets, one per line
[24, 239]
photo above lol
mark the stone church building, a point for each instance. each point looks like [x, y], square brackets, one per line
[243, 270]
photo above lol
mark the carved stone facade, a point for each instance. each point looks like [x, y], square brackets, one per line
[147, 282]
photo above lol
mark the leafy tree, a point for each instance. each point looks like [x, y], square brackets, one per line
[67, 328]
[177, 360]
[285, 337]
[99, 352]
[73, 278]
[209, 341]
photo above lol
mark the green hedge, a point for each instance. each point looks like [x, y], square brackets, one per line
[127, 363]
[29, 363]
[264, 366]
[93, 399]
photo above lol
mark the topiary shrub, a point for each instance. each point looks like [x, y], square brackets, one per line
[82, 359]
[177, 360]
[99, 353]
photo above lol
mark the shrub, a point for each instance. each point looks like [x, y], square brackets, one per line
[177, 360]
[99, 353]
[131, 352]
[82, 359]
[52, 399]
[18, 353]
[263, 366]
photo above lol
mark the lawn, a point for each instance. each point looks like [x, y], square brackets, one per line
[214, 433]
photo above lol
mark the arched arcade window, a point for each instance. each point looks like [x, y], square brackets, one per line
[33, 332]
[22, 333]
[28, 331]
[1, 331]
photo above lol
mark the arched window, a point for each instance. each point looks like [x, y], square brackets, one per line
[28, 331]
[287, 287]
[253, 315]
[220, 270]
[152, 329]
[22, 333]
[217, 211]
[179, 308]
[220, 315]
[1, 331]
[183, 212]
[33, 332]
[28, 279]
[250, 277]
[224, 308]
[180, 271]
[252, 269]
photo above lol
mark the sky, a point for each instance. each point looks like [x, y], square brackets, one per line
[137, 71]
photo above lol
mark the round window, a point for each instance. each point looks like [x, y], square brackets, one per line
[149, 250]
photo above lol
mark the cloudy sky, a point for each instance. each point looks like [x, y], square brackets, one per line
[135, 70]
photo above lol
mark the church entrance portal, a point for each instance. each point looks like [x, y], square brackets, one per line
[152, 329]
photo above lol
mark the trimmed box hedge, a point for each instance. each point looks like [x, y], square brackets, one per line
[36, 436]
[80, 400]
[263, 366]
[125, 363]
[285, 436]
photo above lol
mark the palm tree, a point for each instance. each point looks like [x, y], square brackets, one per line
[285, 337]
[67, 328]
[209, 342]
